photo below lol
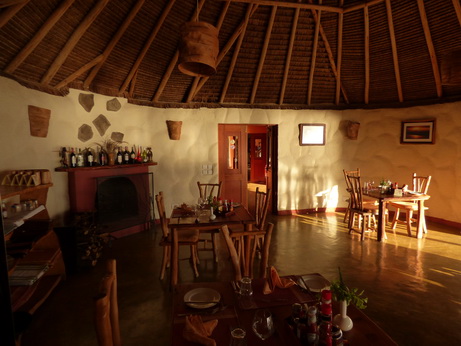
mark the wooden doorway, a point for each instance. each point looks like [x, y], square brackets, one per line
[247, 159]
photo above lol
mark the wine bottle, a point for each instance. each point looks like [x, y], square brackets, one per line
[132, 155]
[73, 158]
[138, 156]
[126, 156]
[90, 158]
[80, 159]
[119, 160]
[102, 158]
[144, 155]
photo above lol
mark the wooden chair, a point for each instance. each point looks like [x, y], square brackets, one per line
[106, 308]
[355, 173]
[208, 191]
[244, 264]
[185, 237]
[365, 212]
[420, 184]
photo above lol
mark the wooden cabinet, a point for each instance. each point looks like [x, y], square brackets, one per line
[33, 256]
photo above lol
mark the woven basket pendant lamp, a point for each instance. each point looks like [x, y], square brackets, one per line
[198, 49]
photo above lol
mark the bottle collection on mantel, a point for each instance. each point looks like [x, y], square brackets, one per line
[88, 157]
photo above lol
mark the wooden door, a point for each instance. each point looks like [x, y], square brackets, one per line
[232, 152]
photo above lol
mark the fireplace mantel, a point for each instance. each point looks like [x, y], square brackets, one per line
[95, 168]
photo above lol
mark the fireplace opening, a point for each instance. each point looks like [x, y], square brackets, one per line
[123, 201]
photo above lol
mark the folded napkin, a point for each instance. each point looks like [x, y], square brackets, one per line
[274, 280]
[198, 331]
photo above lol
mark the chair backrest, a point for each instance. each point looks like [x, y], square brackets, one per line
[106, 308]
[240, 266]
[355, 192]
[162, 214]
[209, 190]
[421, 183]
[355, 173]
[261, 207]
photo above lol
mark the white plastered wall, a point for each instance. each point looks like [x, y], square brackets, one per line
[309, 176]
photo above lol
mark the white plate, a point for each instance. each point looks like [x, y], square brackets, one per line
[209, 296]
[315, 282]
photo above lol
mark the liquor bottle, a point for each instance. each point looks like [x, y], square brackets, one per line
[150, 155]
[126, 156]
[80, 159]
[119, 160]
[144, 155]
[132, 155]
[102, 158]
[312, 331]
[138, 156]
[73, 158]
[64, 162]
[90, 158]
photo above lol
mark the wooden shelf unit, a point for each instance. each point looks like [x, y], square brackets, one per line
[34, 242]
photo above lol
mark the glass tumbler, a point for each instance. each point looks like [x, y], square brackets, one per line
[245, 287]
[238, 337]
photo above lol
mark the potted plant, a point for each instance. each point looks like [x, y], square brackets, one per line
[345, 296]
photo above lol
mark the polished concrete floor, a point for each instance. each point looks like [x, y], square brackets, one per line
[413, 285]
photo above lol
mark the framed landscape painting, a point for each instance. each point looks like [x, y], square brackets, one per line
[418, 132]
[311, 134]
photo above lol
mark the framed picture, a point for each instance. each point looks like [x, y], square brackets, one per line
[418, 132]
[311, 134]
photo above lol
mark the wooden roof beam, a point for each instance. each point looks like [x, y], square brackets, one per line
[294, 27]
[340, 55]
[113, 42]
[146, 47]
[14, 7]
[174, 60]
[291, 5]
[364, 5]
[230, 71]
[457, 7]
[314, 56]
[80, 71]
[73, 40]
[430, 47]
[367, 54]
[262, 57]
[35, 41]
[218, 26]
[226, 48]
[395, 56]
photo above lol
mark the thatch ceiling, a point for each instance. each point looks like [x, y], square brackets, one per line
[273, 54]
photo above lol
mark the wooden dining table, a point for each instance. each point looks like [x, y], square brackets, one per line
[182, 219]
[384, 198]
[234, 311]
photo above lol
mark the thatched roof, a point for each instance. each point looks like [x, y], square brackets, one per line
[274, 54]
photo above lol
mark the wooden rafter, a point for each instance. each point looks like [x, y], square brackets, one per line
[226, 48]
[230, 70]
[457, 7]
[218, 26]
[262, 57]
[80, 71]
[340, 55]
[113, 42]
[291, 5]
[430, 47]
[8, 3]
[294, 27]
[395, 56]
[35, 41]
[314, 56]
[146, 47]
[7, 14]
[174, 60]
[73, 40]
[330, 54]
[367, 54]
[364, 5]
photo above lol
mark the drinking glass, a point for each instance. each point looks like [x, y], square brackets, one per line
[263, 324]
[245, 287]
[238, 337]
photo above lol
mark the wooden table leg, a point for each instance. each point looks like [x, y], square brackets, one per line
[381, 220]
[419, 221]
[174, 258]
[246, 269]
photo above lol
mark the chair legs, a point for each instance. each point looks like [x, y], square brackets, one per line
[408, 220]
[166, 260]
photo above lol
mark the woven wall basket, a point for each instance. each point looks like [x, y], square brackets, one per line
[174, 129]
[39, 120]
[198, 49]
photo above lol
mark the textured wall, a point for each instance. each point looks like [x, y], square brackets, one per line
[309, 176]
